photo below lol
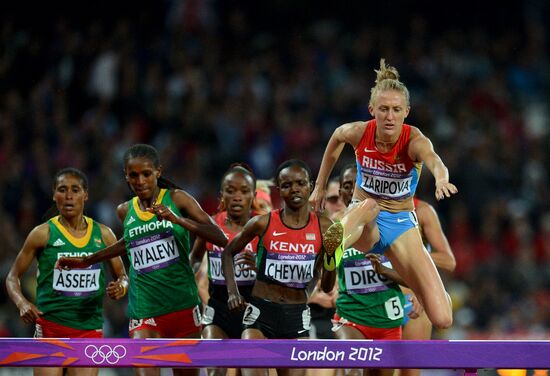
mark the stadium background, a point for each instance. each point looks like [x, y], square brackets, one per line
[213, 82]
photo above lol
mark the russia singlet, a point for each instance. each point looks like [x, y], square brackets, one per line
[390, 178]
[365, 297]
[287, 256]
[162, 280]
[244, 278]
[72, 298]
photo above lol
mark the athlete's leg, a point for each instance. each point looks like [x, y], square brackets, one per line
[411, 260]
[348, 332]
[252, 333]
[416, 329]
[357, 227]
[188, 371]
[291, 371]
[142, 334]
[322, 372]
[46, 371]
[149, 333]
[214, 332]
[82, 371]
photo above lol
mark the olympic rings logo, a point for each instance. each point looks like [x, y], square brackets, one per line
[105, 353]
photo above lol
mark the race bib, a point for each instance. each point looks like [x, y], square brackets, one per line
[387, 187]
[242, 277]
[154, 252]
[293, 270]
[361, 277]
[77, 282]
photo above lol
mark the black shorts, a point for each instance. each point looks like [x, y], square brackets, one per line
[217, 313]
[277, 321]
[321, 321]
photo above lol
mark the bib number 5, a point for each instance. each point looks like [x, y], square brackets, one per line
[394, 309]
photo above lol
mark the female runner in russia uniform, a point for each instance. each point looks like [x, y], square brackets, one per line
[389, 157]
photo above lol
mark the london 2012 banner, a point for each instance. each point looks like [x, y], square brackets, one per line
[117, 352]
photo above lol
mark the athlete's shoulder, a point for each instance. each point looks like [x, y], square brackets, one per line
[414, 131]
[258, 224]
[41, 228]
[362, 124]
[123, 206]
[107, 233]
[353, 133]
[174, 192]
[102, 227]
[40, 234]
[261, 219]
[418, 141]
[179, 196]
[354, 127]
[122, 209]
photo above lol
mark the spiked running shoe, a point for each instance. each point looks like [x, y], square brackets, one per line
[333, 237]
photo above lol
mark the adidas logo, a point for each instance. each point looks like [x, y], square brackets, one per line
[58, 243]
[151, 322]
[130, 220]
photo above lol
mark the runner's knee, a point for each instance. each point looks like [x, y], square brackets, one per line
[443, 322]
[444, 318]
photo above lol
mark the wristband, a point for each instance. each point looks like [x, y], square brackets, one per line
[124, 285]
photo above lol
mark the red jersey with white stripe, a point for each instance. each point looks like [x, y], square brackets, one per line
[215, 272]
[287, 256]
[389, 178]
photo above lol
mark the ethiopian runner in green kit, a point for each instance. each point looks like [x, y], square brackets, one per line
[158, 253]
[368, 298]
[163, 297]
[69, 303]
[58, 290]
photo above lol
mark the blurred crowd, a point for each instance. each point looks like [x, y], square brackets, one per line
[209, 84]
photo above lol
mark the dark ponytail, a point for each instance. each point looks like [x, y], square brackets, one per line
[149, 152]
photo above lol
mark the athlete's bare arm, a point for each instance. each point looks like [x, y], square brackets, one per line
[115, 249]
[197, 253]
[256, 226]
[36, 241]
[119, 287]
[383, 270]
[441, 251]
[421, 150]
[349, 133]
[197, 221]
